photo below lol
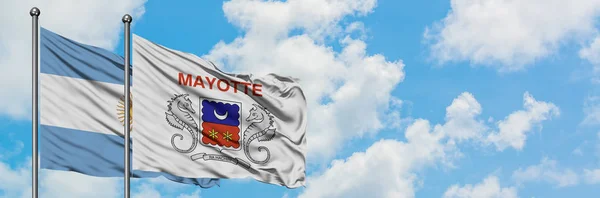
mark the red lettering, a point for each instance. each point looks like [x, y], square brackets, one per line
[256, 88]
[219, 85]
[245, 87]
[199, 82]
[185, 81]
[210, 83]
[235, 84]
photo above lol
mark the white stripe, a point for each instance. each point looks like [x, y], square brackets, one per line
[80, 104]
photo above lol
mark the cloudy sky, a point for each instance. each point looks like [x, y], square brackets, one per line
[431, 98]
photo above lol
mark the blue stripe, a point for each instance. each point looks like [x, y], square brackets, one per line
[65, 57]
[94, 154]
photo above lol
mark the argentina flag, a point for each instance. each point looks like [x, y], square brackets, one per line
[81, 111]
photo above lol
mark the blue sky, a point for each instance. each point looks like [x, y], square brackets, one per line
[455, 98]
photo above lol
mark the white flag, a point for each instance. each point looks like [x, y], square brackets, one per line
[192, 120]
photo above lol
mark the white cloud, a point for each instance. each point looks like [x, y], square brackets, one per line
[591, 176]
[393, 118]
[383, 170]
[510, 33]
[547, 171]
[70, 184]
[597, 146]
[514, 128]
[161, 187]
[591, 110]
[7, 153]
[347, 91]
[591, 53]
[146, 191]
[577, 151]
[275, 19]
[16, 182]
[460, 122]
[359, 28]
[588, 147]
[91, 22]
[195, 194]
[386, 169]
[489, 188]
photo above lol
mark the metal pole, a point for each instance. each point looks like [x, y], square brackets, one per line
[127, 22]
[35, 13]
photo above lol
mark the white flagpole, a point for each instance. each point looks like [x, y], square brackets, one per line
[35, 13]
[127, 22]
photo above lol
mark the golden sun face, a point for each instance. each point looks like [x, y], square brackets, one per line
[121, 111]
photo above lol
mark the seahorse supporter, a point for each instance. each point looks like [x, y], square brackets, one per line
[218, 84]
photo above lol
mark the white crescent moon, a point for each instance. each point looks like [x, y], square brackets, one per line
[220, 117]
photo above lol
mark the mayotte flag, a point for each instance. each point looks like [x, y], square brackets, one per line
[195, 121]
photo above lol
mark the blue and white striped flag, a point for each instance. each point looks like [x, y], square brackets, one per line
[81, 110]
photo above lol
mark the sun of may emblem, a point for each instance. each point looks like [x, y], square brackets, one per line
[121, 111]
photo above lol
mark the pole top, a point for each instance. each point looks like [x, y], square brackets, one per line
[34, 11]
[127, 18]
